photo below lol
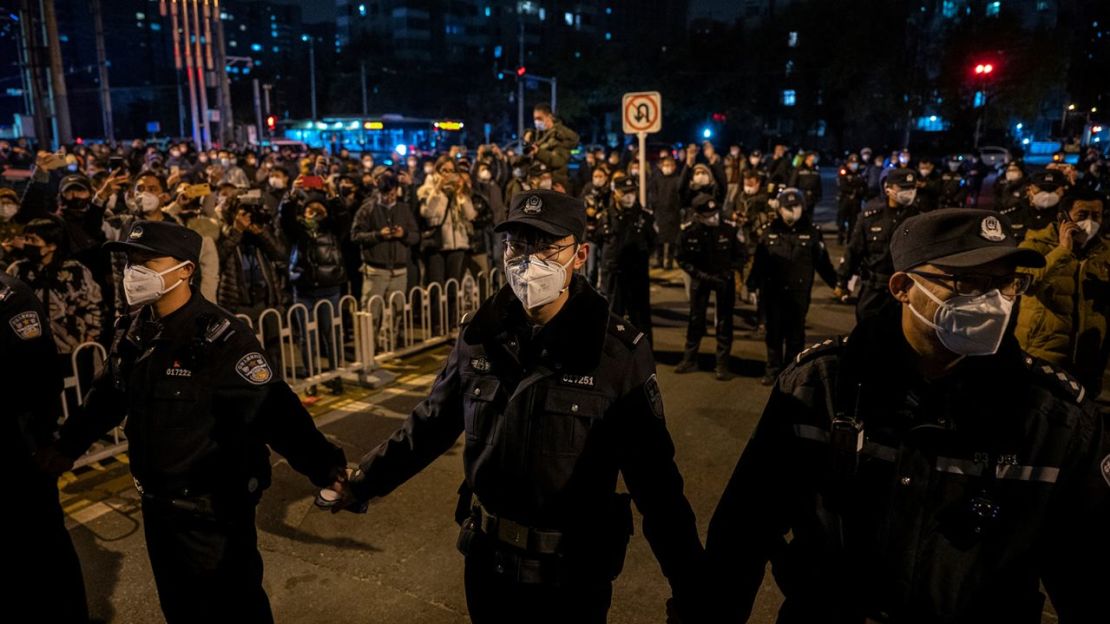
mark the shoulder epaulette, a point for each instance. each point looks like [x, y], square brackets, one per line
[685, 224]
[872, 212]
[5, 292]
[826, 347]
[625, 332]
[729, 222]
[466, 318]
[1056, 378]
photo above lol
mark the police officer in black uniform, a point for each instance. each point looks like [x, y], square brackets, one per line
[868, 252]
[789, 253]
[202, 402]
[629, 238]
[807, 179]
[1010, 197]
[47, 575]
[927, 469]
[1041, 207]
[953, 184]
[851, 190]
[556, 396]
[930, 186]
[710, 250]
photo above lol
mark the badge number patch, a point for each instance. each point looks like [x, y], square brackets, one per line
[26, 325]
[254, 368]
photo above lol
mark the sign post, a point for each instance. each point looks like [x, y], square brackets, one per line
[642, 114]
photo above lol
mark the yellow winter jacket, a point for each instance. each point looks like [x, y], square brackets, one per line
[1062, 318]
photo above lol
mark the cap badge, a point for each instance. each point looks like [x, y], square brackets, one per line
[532, 206]
[136, 233]
[991, 229]
[909, 177]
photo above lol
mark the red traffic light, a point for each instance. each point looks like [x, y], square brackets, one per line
[520, 71]
[271, 121]
[719, 117]
[983, 69]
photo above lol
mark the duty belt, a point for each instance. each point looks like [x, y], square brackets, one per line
[531, 540]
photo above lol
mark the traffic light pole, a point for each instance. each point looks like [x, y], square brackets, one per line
[257, 109]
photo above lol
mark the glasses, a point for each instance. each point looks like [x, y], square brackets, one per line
[543, 251]
[971, 284]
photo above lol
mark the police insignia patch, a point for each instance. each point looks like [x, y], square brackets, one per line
[1106, 469]
[654, 396]
[136, 233]
[991, 230]
[26, 325]
[532, 206]
[254, 368]
[480, 364]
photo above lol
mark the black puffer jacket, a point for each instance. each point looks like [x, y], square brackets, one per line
[315, 255]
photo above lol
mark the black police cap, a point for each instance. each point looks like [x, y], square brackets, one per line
[628, 184]
[902, 178]
[959, 238]
[160, 238]
[1048, 180]
[549, 211]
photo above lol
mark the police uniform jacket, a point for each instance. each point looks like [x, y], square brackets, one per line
[29, 380]
[551, 416]
[955, 500]
[202, 402]
[787, 258]
[868, 250]
[710, 251]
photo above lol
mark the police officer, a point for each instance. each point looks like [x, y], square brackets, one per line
[868, 251]
[1009, 196]
[710, 250]
[930, 187]
[48, 581]
[786, 258]
[953, 184]
[807, 179]
[928, 470]
[556, 396]
[629, 238]
[1042, 201]
[201, 402]
[851, 190]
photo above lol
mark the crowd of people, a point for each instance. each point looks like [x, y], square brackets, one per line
[153, 252]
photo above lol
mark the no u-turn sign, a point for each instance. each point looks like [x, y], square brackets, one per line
[642, 112]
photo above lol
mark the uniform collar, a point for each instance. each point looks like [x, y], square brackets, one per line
[573, 339]
[175, 326]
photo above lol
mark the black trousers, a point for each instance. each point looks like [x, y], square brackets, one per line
[46, 583]
[206, 565]
[786, 326]
[699, 303]
[494, 598]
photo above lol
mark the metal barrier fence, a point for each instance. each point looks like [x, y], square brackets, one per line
[325, 342]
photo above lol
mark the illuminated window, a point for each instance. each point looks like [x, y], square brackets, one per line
[949, 8]
[792, 39]
[789, 97]
[993, 8]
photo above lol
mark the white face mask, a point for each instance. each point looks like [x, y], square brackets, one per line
[751, 190]
[701, 180]
[484, 175]
[1012, 176]
[968, 325]
[429, 170]
[1045, 199]
[599, 182]
[953, 166]
[790, 216]
[540, 125]
[146, 202]
[536, 282]
[1090, 228]
[853, 166]
[667, 170]
[277, 183]
[634, 173]
[545, 183]
[905, 197]
[628, 200]
[8, 210]
[754, 160]
[142, 285]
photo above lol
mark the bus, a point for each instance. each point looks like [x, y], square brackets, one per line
[380, 135]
